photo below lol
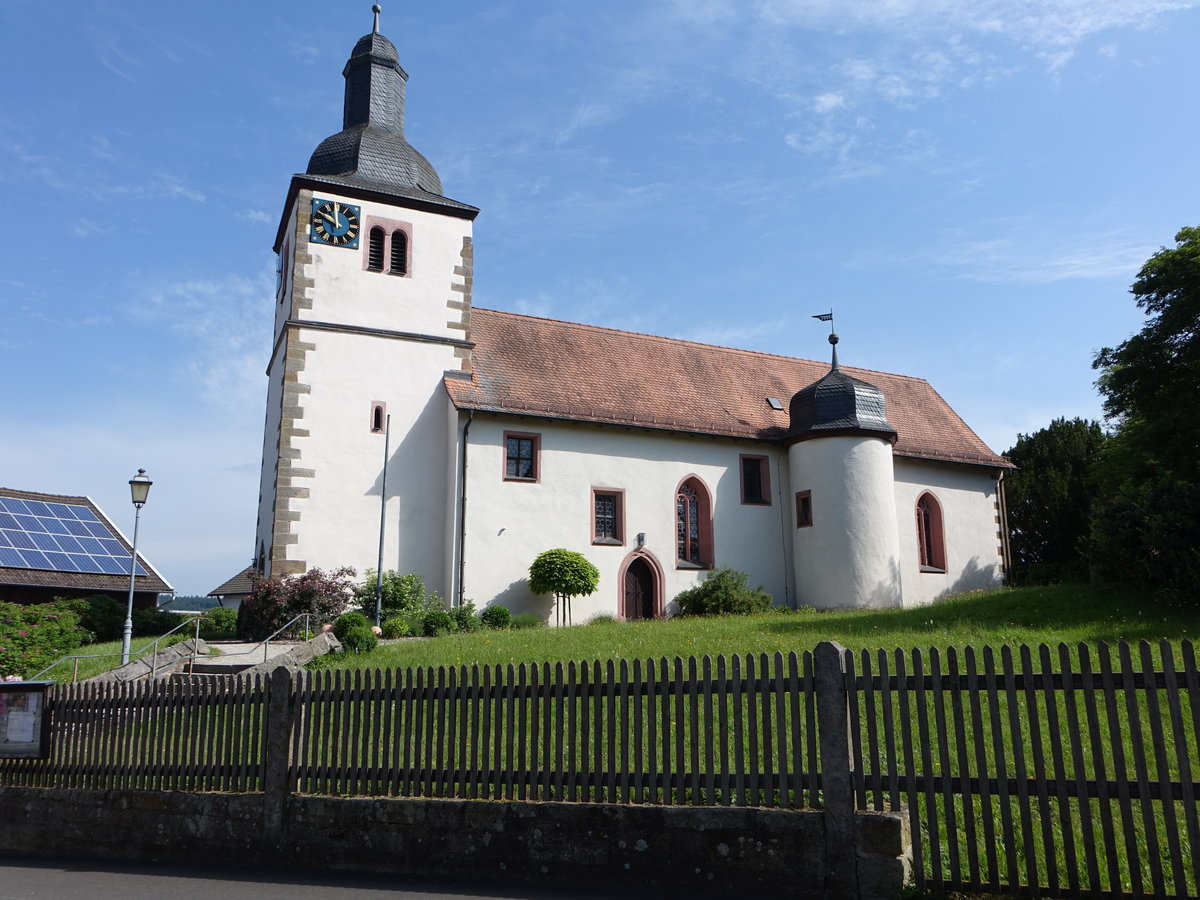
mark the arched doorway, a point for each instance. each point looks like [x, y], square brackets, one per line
[640, 601]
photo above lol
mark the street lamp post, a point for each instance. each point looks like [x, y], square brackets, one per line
[139, 490]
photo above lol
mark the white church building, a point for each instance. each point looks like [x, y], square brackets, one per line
[506, 435]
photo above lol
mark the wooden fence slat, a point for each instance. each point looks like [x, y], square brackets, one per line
[1120, 770]
[973, 877]
[752, 730]
[1088, 842]
[778, 689]
[1154, 723]
[639, 767]
[694, 736]
[610, 750]
[1099, 767]
[726, 782]
[571, 736]
[920, 871]
[797, 763]
[975, 690]
[1037, 752]
[679, 726]
[873, 779]
[936, 873]
[710, 733]
[1191, 679]
[1017, 745]
[810, 721]
[739, 755]
[1066, 829]
[1140, 768]
[858, 785]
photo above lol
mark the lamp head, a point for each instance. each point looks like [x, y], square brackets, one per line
[139, 488]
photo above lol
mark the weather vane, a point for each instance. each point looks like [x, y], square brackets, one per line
[827, 317]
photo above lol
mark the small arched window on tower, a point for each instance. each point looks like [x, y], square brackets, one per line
[378, 417]
[693, 526]
[375, 250]
[399, 253]
[931, 543]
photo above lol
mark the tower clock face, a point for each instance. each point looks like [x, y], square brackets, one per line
[334, 223]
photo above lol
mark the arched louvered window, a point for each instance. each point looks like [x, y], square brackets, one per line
[375, 249]
[931, 543]
[693, 525]
[399, 253]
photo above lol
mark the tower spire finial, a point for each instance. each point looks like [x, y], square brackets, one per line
[376, 9]
[833, 338]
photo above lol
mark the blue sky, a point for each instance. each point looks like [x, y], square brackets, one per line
[971, 185]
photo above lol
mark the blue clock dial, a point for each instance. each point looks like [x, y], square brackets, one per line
[334, 223]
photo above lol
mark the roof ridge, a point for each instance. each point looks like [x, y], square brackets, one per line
[675, 340]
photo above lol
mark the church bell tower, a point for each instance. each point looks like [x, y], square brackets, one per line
[373, 308]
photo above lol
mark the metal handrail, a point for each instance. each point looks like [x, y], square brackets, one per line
[265, 642]
[152, 646]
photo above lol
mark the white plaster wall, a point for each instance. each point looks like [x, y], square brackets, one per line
[850, 556]
[967, 495]
[510, 523]
[345, 293]
[265, 530]
[339, 520]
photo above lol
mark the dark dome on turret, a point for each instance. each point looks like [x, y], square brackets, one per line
[838, 403]
[371, 150]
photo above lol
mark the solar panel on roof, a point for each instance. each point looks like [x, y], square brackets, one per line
[59, 537]
[19, 539]
[45, 541]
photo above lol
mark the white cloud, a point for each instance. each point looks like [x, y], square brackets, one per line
[828, 101]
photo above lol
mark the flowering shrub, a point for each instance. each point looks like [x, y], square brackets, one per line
[275, 601]
[32, 637]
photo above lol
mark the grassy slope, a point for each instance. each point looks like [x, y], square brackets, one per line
[1070, 613]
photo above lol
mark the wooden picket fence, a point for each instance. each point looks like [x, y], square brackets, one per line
[1049, 772]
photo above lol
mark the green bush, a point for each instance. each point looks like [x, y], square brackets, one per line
[153, 622]
[436, 622]
[602, 619]
[32, 637]
[496, 616]
[219, 620]
[358, 639]
[464, 617]
[348, 621]
[275, 601]
[401, 595]
[723, 593]
[395, 628]
[102, 616]
[528, 620]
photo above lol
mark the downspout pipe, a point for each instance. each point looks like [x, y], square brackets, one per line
[462, 511]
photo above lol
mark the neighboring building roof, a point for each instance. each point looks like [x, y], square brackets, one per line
[54, 563]
[238, 584]
[562, 370]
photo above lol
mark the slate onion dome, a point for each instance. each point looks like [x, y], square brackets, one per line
[371, 150]
[838, 404]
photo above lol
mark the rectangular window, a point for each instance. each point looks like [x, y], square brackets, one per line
[608, 516]
[804, 518]
[521, 456]
[756, 480]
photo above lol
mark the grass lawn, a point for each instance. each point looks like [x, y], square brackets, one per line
[1066, 613]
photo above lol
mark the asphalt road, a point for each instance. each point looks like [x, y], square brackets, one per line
[58, 878]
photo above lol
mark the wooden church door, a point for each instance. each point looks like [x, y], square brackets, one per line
[639, 590]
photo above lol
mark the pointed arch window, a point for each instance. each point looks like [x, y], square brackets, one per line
[693, 525]
[931, 542]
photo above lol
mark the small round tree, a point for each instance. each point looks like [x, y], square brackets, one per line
[565, 574]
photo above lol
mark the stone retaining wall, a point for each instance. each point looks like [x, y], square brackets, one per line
[731, 851]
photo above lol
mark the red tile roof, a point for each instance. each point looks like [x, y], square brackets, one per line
[563, 370]
[80, 580]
